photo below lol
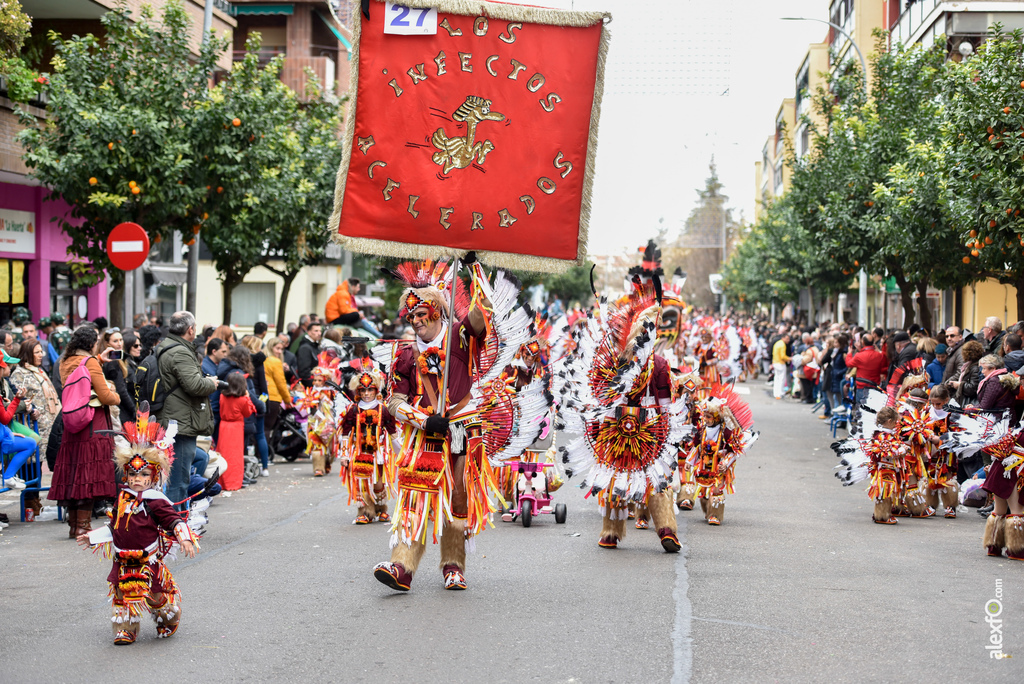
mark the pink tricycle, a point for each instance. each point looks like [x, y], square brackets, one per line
[531, 496]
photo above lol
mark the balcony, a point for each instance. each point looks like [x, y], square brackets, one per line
[265, 54]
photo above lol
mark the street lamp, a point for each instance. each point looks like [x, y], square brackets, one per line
[862, 277]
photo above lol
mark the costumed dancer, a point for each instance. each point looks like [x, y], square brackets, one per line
[367, 457]
[874, 450]
[442, 391]
[943, 488]
[144, 532]
[686, 382]
[1005, 479]
[916, 432]
[722, 436]
[319, 400]
[615, 392]
[531, 365]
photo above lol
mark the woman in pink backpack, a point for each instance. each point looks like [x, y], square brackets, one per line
[84, 470]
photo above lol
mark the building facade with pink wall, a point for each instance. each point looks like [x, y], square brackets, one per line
[34, 261]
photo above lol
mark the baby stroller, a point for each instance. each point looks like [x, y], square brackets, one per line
[289, 437]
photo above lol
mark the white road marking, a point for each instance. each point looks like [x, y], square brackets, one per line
[682, 642]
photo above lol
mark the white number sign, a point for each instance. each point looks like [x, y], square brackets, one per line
[409, 21]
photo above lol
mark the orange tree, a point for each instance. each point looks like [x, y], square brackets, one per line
[301, 236]
[245, 127]
[120, 142]
[859, 191]
[984, 159]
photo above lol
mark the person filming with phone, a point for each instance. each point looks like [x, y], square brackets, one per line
[116, 371]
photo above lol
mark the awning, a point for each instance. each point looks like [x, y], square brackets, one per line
[237, 9]
[369, 302]
[171, 275]
[336, 32]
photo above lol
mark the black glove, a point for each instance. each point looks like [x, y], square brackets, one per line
[436, 424]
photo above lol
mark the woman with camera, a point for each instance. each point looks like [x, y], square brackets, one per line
[116, 371]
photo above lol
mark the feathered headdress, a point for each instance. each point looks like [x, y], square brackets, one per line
[427, 285]
[328, 367]
[650, 267]
[368, 377]
[147, 447]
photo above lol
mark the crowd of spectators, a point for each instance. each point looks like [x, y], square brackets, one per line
[193, 363]
[834, 366]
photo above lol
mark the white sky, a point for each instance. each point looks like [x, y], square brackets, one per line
[685, 80]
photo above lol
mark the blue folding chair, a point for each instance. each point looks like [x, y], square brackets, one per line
[32, 474]
[842, 418]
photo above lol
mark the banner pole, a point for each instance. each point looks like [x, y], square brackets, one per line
[442, 399]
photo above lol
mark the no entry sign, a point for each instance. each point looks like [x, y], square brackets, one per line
[128, 246]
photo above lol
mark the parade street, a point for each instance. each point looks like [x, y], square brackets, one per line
[797, 585]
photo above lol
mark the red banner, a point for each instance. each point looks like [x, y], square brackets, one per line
[480, 137]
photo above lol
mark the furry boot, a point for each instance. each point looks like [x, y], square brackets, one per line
[319, 462]
[453, 544]
[704, 505]
[166, 615]
[368, 511]
[642, 514]
[613, 528]
[994, 535]
[931, 498]
[949, 498]
[917, 503]
[397, 573]
[1014, 533]
[685, 497]
[883, 512]
[126, 626]
[716, 510]
[453, 554]
[664, 519]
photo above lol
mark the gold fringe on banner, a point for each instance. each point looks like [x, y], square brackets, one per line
[471, 8]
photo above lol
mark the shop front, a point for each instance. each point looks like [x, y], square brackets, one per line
[35, 269]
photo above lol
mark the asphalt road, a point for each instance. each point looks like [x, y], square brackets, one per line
[797, 585]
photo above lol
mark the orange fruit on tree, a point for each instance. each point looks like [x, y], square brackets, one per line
[191, 242]
[988, 240]
[992, 223]
[967, 260]
[974, 252]
[132, 184]
[136, 190]
[158, 239]
[110, 146]
[1009, 211]
[989, 129]
[1006, 110]
[93, 181]
[974, 233]
[856, 263]
[236, 122]
[205, 216]
[220, 189]
[195, 229]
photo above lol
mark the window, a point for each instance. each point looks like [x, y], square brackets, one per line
[66, 295]
[252, 302]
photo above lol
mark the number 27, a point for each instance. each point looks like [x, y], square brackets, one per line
[399, 19]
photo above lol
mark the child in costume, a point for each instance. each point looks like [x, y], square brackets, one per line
[367, 459]
[721, 437]
[915, 431]
[943, 488]
[886, 452]
[320, 444]
[144, 531]
[235, 407]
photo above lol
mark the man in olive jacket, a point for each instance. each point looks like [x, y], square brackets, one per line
[187, 399]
